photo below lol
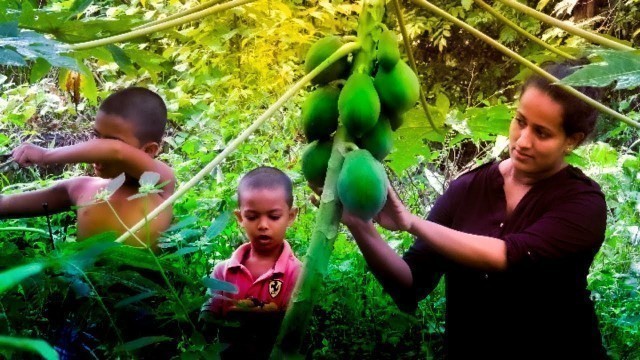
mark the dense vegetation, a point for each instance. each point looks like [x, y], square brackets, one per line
[217, 75]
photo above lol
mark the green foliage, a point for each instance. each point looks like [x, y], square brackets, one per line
[37, 346]
[614, 66]
[217, 76]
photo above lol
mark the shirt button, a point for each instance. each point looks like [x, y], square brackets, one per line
[486, 276]
[501, 224]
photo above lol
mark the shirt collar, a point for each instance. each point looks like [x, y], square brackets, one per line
[241, 252]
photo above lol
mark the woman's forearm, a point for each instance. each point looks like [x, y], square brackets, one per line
[388, 267]
[480, 252]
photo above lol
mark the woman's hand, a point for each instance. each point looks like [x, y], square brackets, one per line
[394, 215]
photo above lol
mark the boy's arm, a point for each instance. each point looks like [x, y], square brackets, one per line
[29, 204]
[131, 160]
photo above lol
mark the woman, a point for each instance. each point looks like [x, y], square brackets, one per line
[515, 239]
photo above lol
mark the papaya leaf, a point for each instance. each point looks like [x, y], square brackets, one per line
[9, 29]
[219, 285]
[11, 58]
[487, 122]
[32, 45]
[141, 342]
[14, 276]
[411, 138]
[623, 67]
[38, 346]
[79, 6]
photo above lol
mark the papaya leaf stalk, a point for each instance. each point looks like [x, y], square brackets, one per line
[159, 27]
[520, 30]
[328, 216]
[571, 29]
[345, 50]
[600, 107]
[412, 61]
[179, 15]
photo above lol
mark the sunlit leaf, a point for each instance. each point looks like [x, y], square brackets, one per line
[14, 276]
[38, 346]
[219, 285]
[623, 67]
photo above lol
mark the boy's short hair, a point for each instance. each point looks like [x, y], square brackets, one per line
[143, 108]
[267, 177]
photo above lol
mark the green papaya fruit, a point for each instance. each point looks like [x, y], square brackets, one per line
[358, 104]
[318, 53]
[398, 89]
[320, 113]
[362, 184]
[315, 159]
[388, 53]
[396, 120]
[379, 140]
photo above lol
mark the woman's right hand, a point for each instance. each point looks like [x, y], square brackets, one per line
[394, 215]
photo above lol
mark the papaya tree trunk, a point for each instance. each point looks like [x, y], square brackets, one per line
[328, 216]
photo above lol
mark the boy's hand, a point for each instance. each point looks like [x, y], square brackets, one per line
[29, 154]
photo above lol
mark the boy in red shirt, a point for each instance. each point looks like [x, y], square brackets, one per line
[265, 270]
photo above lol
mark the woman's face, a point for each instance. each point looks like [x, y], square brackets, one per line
[537, 141]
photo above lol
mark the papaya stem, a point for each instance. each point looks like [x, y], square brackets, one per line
[179, 15]
[316, 262]
[412, 61]
[600, 107]
[522, 31]
[343, 51]
[571, 29]
[159, 27]
[328, 216]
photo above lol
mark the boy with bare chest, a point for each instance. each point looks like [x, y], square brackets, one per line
[128, 128]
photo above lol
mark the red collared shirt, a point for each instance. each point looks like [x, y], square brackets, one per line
[274, 286]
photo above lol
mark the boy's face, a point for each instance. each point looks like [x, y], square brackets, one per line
[108, 126]
[265, 216]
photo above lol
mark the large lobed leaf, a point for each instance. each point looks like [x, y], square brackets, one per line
[622, 67]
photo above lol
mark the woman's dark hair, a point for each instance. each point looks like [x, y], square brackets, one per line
[577, 116]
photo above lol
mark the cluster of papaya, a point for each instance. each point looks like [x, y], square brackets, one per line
[369, 106]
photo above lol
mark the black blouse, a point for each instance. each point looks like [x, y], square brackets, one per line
[539, 308]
